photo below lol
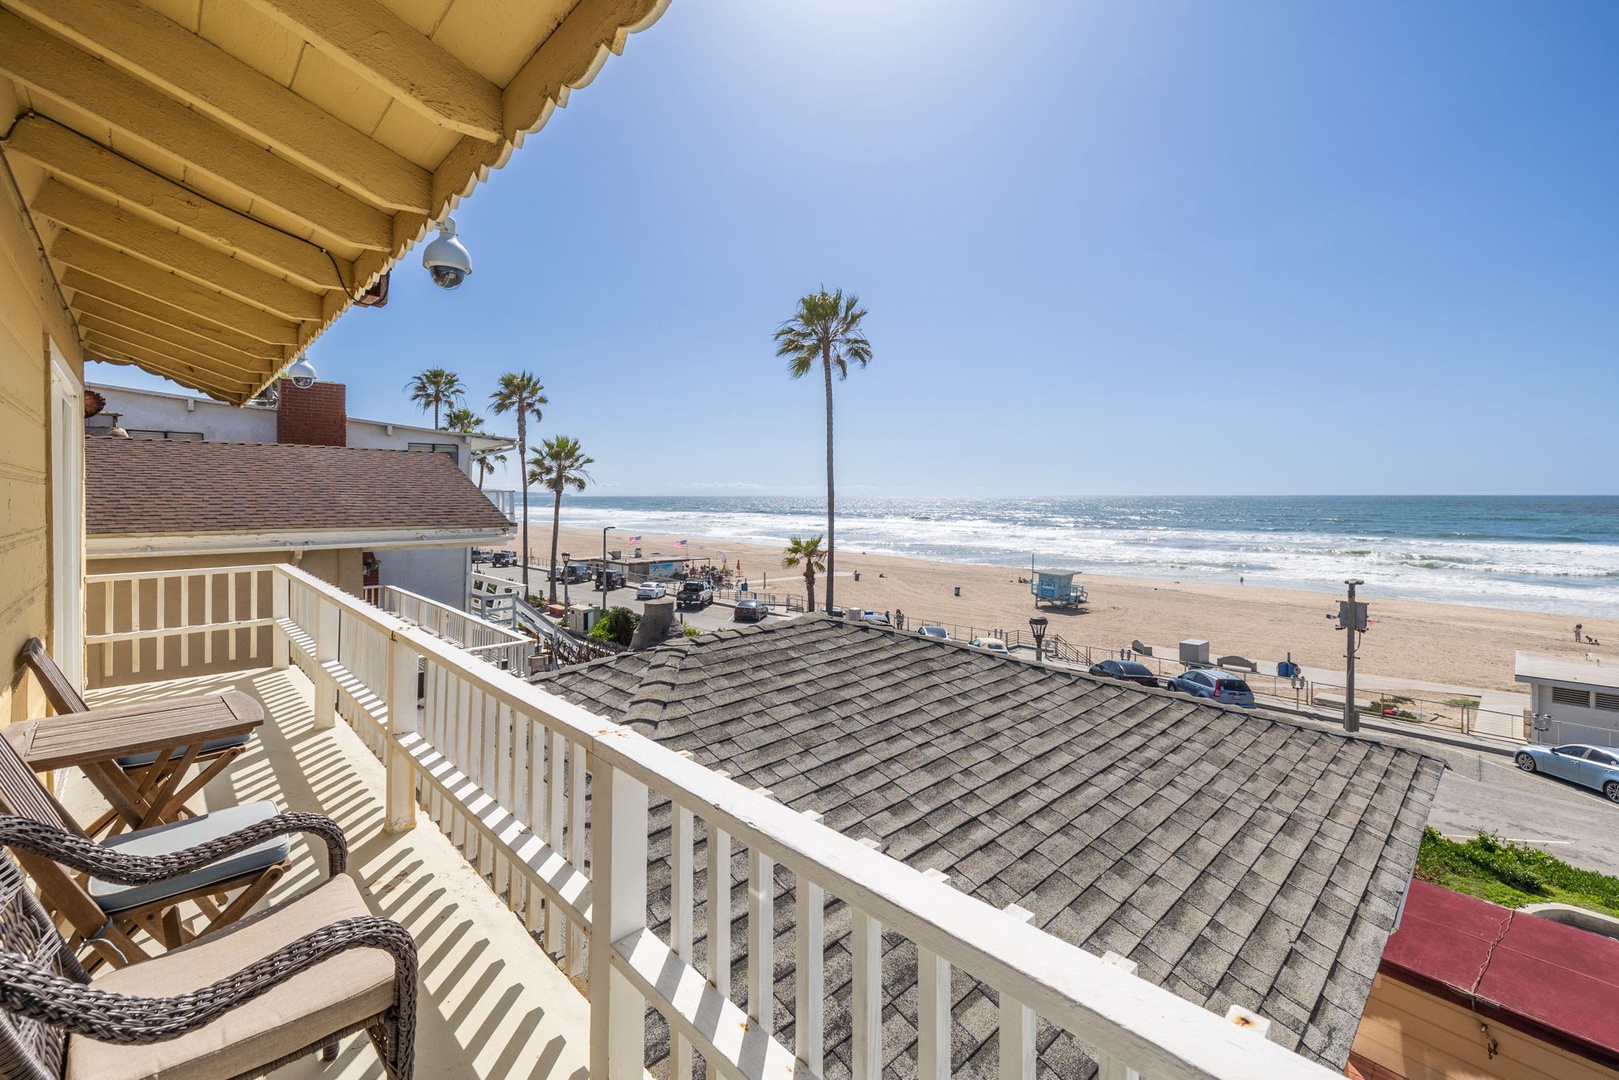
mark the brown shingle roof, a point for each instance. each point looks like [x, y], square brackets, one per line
[159, 487]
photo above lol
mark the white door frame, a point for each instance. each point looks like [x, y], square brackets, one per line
[67, 519]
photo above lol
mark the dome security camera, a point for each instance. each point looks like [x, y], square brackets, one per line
[446, 258]
[302, 373]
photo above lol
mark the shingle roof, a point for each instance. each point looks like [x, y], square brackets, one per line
[1237, 858]
[160, 487]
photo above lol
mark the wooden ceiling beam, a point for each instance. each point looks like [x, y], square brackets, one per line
[90, 308]
[67, 154]
[389, 53]
[123, 231]
[159, 343]
[92, 293]
[192, 374]
[207, 78]
[85, 254]
[58, 70]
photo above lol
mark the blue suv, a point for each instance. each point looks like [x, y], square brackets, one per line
[1217, 685]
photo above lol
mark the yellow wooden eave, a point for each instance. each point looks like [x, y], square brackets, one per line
[215, 181]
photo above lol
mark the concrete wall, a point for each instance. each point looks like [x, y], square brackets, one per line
[31, 317]
[122, 663]
[169, 412]
[1574, 723]
[1419, 1036]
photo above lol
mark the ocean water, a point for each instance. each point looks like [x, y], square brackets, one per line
[1556, 554]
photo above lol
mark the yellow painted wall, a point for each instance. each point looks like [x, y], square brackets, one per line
[1419, 1036]
[31, 316]
[118, 664]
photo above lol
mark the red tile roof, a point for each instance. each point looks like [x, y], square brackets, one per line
[1557, 982]
[162, 487]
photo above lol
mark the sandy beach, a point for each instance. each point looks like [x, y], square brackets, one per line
[1459, 645]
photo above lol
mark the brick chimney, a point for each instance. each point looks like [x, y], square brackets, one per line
[317, 416]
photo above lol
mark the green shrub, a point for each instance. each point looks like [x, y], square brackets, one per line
[617, 625]
[1512, 874]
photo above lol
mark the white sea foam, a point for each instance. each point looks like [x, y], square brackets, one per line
[1432, 560]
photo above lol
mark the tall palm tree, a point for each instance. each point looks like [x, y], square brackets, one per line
[812, 557]
[520, 393]
[826, 329]
[559, 464]
[436, 387]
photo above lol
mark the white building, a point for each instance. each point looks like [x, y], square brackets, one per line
[315, 415]
[1572, 700]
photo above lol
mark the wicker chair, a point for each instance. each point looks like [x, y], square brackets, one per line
[145, 770]
[106, 914]
[288, 982]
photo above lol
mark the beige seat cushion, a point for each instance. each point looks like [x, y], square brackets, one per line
[334, 994]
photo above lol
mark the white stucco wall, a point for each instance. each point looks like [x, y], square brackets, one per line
[169, 412]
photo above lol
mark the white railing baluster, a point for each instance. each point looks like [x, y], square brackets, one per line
[135, 625]
[932, 1007]
[1109, 1067]
[761, 938]
[576, 845]
[556, 777]
[682, 832]
[252, 613]
[400, 798]
[809, 921]
[326, 627]
[107, 589]
[1017, 1024]
[159, 620]
[866, 1013]
[185, 619]
[719, 916]
[280, 608]
[230, 613]
[617, 1009]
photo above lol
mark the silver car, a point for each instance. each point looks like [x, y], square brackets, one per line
[1594, 766]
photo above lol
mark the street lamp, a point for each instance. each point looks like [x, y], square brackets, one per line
[1351, 618]
[565, 558]
[1037, 627]
[606, 578]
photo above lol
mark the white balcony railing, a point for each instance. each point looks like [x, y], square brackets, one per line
[526, 784]
[498, 645]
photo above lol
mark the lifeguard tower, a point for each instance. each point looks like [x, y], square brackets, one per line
[1056, 588]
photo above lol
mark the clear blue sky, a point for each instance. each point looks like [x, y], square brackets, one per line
[1123, 248]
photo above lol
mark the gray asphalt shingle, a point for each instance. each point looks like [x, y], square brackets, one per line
[1237, 858]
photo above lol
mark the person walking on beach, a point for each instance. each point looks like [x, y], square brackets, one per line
[1577, 628]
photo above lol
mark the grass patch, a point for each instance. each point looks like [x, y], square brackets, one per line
[1512, 875]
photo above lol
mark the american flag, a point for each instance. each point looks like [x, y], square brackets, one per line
[635, 539]
[680, 543]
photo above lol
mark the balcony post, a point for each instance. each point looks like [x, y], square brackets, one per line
[400, 798]
[1108, 1067]
[280, 609]
[618, 887]
[326, 623]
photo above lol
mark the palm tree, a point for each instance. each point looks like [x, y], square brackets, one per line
[435, 387]
[520, 393]
[559, 464]
[825, 329]
[812, 556]
[464, 421]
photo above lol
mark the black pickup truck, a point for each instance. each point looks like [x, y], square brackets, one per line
[694, 594]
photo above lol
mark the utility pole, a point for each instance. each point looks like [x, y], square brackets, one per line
[1351, 620]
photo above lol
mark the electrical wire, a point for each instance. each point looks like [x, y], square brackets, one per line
[30, 114]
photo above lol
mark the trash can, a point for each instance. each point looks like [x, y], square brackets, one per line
[857, 575]
[958, 590]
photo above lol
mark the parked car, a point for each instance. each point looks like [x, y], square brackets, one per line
[649, 590]
[502, 558]
[1594, 766]
[991, 645]
[481, 555]
[1125, 670]
[750, 611]
[937, 632]
[694, 593]
[1217, 685]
